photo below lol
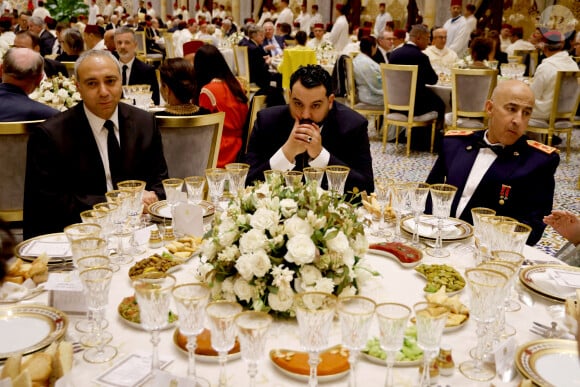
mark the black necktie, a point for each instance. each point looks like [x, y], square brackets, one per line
[125, 67]
[114, 151]
[497, 149]
[301, 161]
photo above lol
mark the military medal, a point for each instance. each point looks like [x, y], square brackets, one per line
[504, 194]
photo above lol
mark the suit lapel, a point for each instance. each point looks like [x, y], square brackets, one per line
[88, 146]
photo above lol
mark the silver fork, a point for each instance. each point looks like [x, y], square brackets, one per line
[550, 332]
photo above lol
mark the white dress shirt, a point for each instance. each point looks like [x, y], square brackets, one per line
[445, 57]
[101, 133]
[519, 44]
[457, 35]
[338, 36]
[381, 22]
[279, 162]
[286, 16]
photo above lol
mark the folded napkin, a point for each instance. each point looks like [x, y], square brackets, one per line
[50, 248]
[9, 291]
[428, 228]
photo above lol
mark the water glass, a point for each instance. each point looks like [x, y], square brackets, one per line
[252, 329]
[336, 176]
[313, 174]
[216, 179]
[392, 319]
[195, 186]
[418, 192]
[237, 173]
[293, 178]
[80, 231]
[273, 177]
[431, 319]
[135, 190]
[442, 197]
[382, 189]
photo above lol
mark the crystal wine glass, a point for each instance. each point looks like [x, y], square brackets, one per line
[80, 231]
[237, 173]
[223, 331]
[95, 216]
[485, 292]
[501, 329]
[442, 196]
[399, 194]
[382, 185]
[273, 177]
[493, 233]
[252, 329]
[313, 174]
[135, 189]
[191, 300]
[418, 193]
[121, 229]
[392, 319]
[153, 294]
[480, 249]
[293, 178]
[431, 319]
[314, 312]
[173, 188]
[216, 179]
[96, 284]
[195, 186]
[336, 176]
[515, 260]
[355, 314]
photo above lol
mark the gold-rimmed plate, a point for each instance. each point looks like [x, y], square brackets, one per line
[537, 278]
[55, 246]
[29, 328]
[160, 210]
[453, 229]
[333, 365]
[549, 362]
[203, 351]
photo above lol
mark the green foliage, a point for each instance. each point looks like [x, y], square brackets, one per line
[62, 10]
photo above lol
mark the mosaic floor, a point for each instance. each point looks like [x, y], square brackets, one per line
[393, 163]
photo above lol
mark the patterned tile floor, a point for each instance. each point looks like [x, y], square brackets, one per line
[393, 163]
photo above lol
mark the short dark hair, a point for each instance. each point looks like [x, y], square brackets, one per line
[74, 40]
[470, 8]
[312, 76]
[480, 48]
[178, 75]
[301, 38]
[35, 39]
[366, 45]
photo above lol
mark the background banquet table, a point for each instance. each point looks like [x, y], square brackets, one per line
[395, 283]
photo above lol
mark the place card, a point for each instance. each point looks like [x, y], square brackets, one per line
[66, 292]
[504, 356]
[188, 219]
[50, 248]
[130, 371]
[565, 278]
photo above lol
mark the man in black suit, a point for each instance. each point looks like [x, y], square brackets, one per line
[26, 39]
[22, 71]
[133, 71]
[425, 99]
[384, 47]
[46, 40]
[76, 156]
[313, 130]
[273, 44]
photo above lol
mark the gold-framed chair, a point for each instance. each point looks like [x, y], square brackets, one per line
[564, 105]
[399, 88]
[470, 89]
[243, 65]
[70, 68]
[375, 111]
[515, 59]
[13, 142]
[169, 47]
[141, 51]
[292, 60]
[191, 144]
[258, 103]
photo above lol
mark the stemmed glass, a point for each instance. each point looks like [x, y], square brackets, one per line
[313, 174]
[431, 319]
[252, 329]
[153, 294]
[96, 284]
[191, 300]
[417, 196]
[501, 329]
[119, 227]
[382, 185]
[518, 235]
[237, 173]
[494, 231]
[135, 189]
[355, 314]
[293, 178]
[442, 197]
[399, 194]
[392, 319]
[336, 176]
[485, 292]
[223, 331]
[515, 260]
[273, 177]
[80, 231]
[173, 188]
[195, 186]
[95, 216]
[476, 214]
[216, 179]
[314, 312]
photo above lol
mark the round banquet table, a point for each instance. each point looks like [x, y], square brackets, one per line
[395, 283]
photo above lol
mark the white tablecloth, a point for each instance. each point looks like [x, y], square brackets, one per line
[395, 284]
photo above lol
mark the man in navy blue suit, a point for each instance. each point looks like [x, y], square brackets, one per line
[313, 130]
[22, 71]
[500, 168]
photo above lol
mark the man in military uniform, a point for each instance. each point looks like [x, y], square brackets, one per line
[500, 168]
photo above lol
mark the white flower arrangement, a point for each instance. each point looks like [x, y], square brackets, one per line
[465, 62]
[59, 92]
[275, 241]
[236, 38]
[325, 46]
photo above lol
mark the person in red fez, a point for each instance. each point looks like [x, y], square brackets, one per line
[318, 39]
[399, 36]
[458, 33]
[382, 19]
[93, 37]
[190, 48]
[339, 36]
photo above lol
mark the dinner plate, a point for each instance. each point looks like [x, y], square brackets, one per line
[56, 247]
[303, 377]
[138, 325]
[537, 278]
[453, 229]
[402, 363]
[549, 362]
[160, 210]
[198, 356]
[29, 328]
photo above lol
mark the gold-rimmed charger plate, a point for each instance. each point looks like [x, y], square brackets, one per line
[538, 280]
[30, 249]
[456, 230]
[29, 328]
[549, 362]
[160, 211]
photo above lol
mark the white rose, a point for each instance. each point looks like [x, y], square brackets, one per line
[325, 285]
[228, 254]
[297, 226]
[62, 93]
[360, 245]
[348, 257]
[76, 96]
[301, 250]
[264, 218]
[315, 221]
[253, 240]
[203, 271]
[227, 232]
[243, 290]
[35, 95]
[282, 301]
[339, 243]
[209, 249]
[309, 274]
[262, 263]
[244, 266]
[348, 291]
[228, 289]
[288, 207]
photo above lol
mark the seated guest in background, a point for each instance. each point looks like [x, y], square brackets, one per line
[218, 90]
[190, 48]
[177, 88]
[399, 38]
[72, 160]
[480, 50]
[26, 39]
[152, 36]
[515, 176]
[273, 44]
[568, 225]
[284, 31]
[109, 40]
[384, 46]
[313, 130]
[496, 53]
[228, 28]
[22, 71]
[93, 36]
[318, 39]
[518, 42]
[505, 36]
[367, 73]
[439, 55]
[72, 45]
[133, 71]
[46, 40]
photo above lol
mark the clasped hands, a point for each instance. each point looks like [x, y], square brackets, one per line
[305, 137]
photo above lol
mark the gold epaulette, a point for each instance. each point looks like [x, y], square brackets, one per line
[458, 132]
[542, 147]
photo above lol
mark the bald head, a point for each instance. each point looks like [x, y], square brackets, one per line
[512, 87]
[22, 67]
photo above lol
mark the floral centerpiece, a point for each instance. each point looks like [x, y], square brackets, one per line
[235, 38]
[59, 92]
[325, 52]
[275, 241]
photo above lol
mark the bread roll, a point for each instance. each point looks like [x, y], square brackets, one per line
[17, 279]
[11, 367]
[39, 365]
[22, 380]
[64, 359]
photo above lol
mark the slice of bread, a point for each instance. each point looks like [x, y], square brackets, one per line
[64, 359]
[11, 367]
[39, 365]
[22, 380]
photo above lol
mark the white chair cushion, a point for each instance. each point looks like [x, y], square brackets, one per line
[464, 122]
[563, 124]
[422, 118]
